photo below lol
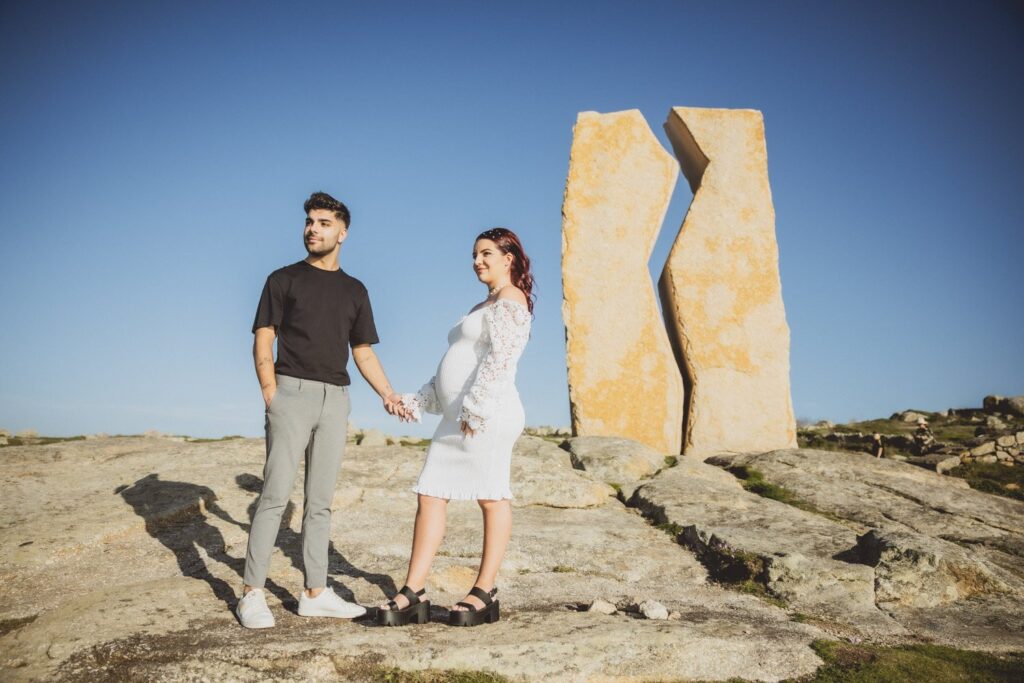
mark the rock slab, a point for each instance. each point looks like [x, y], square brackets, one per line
[614, 460]
[623, 378]
[721, 291]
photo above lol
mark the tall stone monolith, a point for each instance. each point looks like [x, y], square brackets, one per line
[720, 288]
[623, 378]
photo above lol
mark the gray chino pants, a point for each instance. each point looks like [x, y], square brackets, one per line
[304, 417]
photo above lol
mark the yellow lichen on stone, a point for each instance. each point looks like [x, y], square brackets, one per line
[623, 379]
[721, 290]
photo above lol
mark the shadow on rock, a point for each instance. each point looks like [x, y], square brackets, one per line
[290, 543]
[174, 515]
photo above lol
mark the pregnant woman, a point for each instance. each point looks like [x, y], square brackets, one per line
[470, 454]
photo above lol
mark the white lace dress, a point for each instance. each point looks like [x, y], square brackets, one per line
[475, 384]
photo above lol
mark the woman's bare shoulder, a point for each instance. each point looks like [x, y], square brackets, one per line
[512, 293]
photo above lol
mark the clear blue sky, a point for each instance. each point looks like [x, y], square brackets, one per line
[155, 157]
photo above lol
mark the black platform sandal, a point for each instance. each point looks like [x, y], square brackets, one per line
[473, 616]
[417, 611]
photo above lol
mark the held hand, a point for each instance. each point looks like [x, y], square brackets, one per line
[467, 430]
[394, 406]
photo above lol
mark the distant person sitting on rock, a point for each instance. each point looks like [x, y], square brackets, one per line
[924, 440]
[877, 445]
[316, 311]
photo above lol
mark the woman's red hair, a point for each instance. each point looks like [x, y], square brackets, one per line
[508, 242]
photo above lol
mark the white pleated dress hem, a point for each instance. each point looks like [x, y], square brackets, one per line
[449, 494]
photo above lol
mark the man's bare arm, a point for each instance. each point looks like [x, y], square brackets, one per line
[372, 371]
[263, 357]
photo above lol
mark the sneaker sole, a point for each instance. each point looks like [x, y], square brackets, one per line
[324, 613]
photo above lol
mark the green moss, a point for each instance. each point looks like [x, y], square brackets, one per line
[754, 481]
[848, 663]
[671, 461]
[562, 569]
[752, 587]
[1001, 480]
[670, 528]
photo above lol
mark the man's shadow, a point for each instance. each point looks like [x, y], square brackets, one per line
[172, 511]
[290, 543]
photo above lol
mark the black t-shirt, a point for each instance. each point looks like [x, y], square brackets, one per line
[317, 314]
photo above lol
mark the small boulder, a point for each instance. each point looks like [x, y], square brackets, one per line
[946, 465]
[911, 416]
[984, 449]
[600, 606]
[613, 459]
[993, 422]
[651, 609]
[27, 434]
[1013, 405]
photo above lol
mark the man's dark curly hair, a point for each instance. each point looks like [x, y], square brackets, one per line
[322, 200]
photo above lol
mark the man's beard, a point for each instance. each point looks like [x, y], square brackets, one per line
[312, 251]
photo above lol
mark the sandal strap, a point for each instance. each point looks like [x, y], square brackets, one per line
[482, 595]
[412, 596]
[471, 608]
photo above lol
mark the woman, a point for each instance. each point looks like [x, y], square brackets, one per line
[470, 454]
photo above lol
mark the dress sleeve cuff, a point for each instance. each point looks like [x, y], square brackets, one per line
[472, 421]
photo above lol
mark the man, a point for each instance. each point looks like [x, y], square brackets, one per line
[923, 437]
[316, 311]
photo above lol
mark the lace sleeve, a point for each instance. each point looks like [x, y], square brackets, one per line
[508, 328]
[423, 400]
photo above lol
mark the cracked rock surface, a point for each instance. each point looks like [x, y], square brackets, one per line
[122, 558]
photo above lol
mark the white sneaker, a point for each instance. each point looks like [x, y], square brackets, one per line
[252, 610]
[328, 604]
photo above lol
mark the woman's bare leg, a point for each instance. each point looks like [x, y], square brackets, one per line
[426, 539]
[497, 532]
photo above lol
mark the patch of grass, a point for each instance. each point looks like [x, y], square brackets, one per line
[670, 528]
[671, 461]
[956, 433]
[189, 439]
[759, 590]
[422, 443]
[40, 440]
[617, 487]
[882, 426]
[848, 663]
[993, 478]
[754, 481]
[562, 569]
